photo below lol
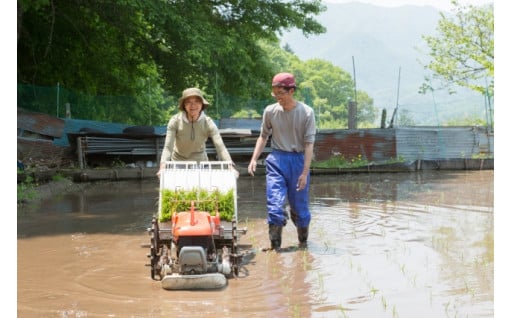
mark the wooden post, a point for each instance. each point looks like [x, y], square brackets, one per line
[80, 152]
[352, 115]
[68, 110]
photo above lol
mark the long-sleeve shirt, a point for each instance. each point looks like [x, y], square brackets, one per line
[186, 140]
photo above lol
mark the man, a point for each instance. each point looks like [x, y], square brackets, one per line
[292, 126]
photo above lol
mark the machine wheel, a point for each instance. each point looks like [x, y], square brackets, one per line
[234, 249]
[234, 234]
[235, 270]
[154, 249]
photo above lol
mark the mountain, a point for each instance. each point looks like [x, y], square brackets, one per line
[383, 46]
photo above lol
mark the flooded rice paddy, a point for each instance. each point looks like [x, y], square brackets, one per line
[381, 245]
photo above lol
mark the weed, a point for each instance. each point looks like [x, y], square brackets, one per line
[398, 159]
[58, 177]
[118, 163]
[339, 161]
[482, 156]
[26, 191]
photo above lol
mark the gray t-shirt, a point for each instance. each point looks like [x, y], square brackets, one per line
[291, 129]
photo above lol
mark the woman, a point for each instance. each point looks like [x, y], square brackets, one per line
[188, 130]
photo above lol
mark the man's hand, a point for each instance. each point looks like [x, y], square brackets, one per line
[252, 167]
[301, 182]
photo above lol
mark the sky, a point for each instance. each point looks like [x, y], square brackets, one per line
[439, 4]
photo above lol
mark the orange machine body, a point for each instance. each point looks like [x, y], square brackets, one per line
[194, 223]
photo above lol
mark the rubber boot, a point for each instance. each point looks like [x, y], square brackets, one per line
[274, 234]
[293, 216]
[286, 213]
[302, 234]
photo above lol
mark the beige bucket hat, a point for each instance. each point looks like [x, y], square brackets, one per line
[189, 92]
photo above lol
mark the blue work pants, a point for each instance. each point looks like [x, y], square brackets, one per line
[283, 171]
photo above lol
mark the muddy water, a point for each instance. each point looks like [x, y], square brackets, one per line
[381, 245]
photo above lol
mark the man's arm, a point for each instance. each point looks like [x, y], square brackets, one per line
[308, 156]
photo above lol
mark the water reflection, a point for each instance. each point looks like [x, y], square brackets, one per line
[381, 245]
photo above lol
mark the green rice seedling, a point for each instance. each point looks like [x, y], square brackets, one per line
[211, 201]
[384, 302]
[414, 281]
[343, 309]
[454, 310]
[321, 233]
[373, 291]
[395, 313]
[306, 265]
[296, 311]
[326, 245]
[402, 268]
[320, 282]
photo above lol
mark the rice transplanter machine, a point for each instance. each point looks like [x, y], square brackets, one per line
[194, 236]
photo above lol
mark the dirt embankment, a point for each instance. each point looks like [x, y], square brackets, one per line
[41, 191]
[57, 187]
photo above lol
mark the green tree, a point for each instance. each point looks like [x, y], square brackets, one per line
[462, 54]
[133, 47]
[330, 89]
[325, 87]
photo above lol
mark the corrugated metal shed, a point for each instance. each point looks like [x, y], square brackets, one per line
[377, 145]
[371, 144]
[443, 143]
[244, 123]
[77, 125]
[409, 143]
[41, 124]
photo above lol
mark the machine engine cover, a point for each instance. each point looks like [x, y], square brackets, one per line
[192, 260]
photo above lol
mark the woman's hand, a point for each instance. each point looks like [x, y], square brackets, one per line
[162, 167]
[235, 171]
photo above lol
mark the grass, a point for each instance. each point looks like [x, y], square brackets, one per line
[26, 190]
[58, 177]
[339, 161]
